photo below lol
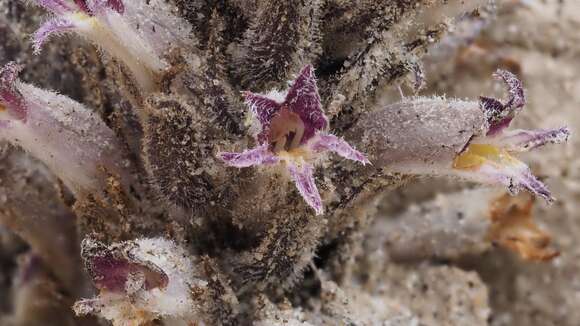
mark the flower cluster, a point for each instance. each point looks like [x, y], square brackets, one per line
[291, 131]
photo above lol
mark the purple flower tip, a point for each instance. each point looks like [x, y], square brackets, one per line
[500, 114]
[10, 98]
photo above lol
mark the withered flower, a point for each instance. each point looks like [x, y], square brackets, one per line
[513, 228]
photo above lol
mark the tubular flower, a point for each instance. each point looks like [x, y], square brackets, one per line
[140, 281]
[104, 23]
[70, 139]
[489, 157]
[450, 137]
[291, 131]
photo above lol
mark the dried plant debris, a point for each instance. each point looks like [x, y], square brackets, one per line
[513, 228]
[453, 226]
[181, 149]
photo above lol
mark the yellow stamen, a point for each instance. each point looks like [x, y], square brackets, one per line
[80, 17]
[479, 154]
[295, 155]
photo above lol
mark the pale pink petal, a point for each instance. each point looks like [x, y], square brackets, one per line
[328, 142]
[264, 109]
[303, 176]
[515, 177]
[255, 156]
[58, 7]
[97, 7]
[50, 27]
[10, 97]
[525, 140]
[304, 100]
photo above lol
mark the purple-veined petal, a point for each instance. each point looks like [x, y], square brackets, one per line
[525, 140]
[57, 7]
[303, 176]
[304, 100]
[489, 164]
[264, 109]
[117, 5]
[255, 156]
[516, 177]
[500, 115]
[98, 7]
[10, 98]
[83, 6]
[50, 27]
[328, 142]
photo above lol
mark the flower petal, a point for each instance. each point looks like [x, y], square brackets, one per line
[516, 98]
[488, 164]
[304, 100]
[255, 156]
[58, 7]
[97, 7]
[82, 4]
[50, 27]
[525, 140]
[328, 142]
[500, 115]
[10, 98]
[303, 176]
[264, 109]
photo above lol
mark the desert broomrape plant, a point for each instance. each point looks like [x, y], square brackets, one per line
[291, 130]
[69, 138]
[212, 221]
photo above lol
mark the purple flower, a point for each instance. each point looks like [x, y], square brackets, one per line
[489, 156]
[140, 281]
[70, 139]
[104, 23]
[291, 131]
[451, 137]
